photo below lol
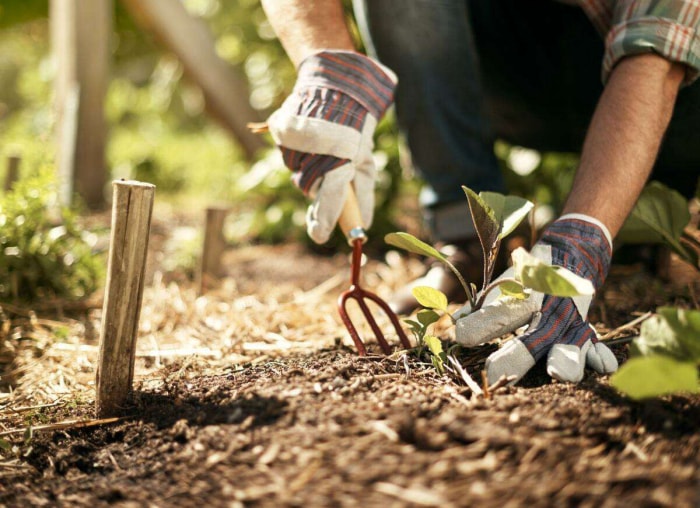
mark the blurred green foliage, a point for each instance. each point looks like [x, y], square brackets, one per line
[158, 131]
[44, 251]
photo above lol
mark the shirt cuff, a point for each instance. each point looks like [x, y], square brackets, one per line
[674, 41]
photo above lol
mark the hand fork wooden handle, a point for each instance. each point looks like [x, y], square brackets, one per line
[350, 223]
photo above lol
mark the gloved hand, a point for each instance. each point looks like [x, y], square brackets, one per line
[325, 129]
[558, 327]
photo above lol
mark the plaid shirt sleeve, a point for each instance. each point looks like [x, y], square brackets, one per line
[670, 28]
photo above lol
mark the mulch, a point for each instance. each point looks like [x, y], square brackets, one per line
[251, 395]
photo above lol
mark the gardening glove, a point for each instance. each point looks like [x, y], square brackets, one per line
[558, 327]
[325, 128]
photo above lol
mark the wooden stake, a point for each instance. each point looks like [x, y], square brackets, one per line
[132, 207]
[214, 246]
[12, 174]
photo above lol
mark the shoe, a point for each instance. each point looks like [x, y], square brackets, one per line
[467, 258]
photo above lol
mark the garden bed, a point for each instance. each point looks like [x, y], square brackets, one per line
[252, 395]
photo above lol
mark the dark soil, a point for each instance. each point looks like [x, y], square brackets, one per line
[327, 428]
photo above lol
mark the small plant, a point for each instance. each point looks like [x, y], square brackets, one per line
[665, 358]
[43, 251]
[495, 216]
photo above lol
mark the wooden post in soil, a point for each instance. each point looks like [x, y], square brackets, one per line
[12, 174]
[132, 207]
[213, 248]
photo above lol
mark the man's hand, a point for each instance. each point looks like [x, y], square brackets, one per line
[325, 130]
[558, 327]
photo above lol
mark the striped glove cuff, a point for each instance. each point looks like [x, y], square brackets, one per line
[581, 244]
[358, 76]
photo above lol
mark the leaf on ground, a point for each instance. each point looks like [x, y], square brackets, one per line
[548, 279]
[430, 297]
[656, 375]
[412, 244]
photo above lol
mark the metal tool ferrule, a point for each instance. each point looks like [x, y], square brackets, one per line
[357, 234]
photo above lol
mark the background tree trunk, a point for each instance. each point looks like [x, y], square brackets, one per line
[80, 35]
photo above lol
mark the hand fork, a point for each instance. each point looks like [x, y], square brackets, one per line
[350, 222]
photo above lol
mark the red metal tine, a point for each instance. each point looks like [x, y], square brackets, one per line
[357, 293]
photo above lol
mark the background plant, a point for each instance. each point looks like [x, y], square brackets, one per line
[665, 358]
[44, 251]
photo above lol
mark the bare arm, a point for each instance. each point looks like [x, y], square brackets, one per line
[307, 26]
[624, 137]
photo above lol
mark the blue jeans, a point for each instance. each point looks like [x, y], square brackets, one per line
[471, 71]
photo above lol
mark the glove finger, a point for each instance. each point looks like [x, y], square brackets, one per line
[601, 359]
[494, 320]
[322, 215]
[566, 362]
[312, 135]
[513, 359]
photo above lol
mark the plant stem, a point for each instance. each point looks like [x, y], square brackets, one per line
[461, 281]
[488, 289]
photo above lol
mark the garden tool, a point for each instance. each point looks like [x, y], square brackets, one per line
[350, 222]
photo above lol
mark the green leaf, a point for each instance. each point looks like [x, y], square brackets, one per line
[5, 445]
[415, 326]
[552, 280]
[412, 244]
[487, 228]
[435, 346]
[512, 288]
[652, 376]
[427, 317]
[430, 297]
[509, 211]
[673, 332]
[660, 215]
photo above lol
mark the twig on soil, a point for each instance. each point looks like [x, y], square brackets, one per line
[414, 495]
[464, 375]
[485, 383]
[387, 376]
[626, 326]
[67, 425]
[30, 408]
[323, 288]
[501, 382]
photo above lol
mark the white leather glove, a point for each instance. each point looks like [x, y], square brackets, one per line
[558, 327]
[325, 130]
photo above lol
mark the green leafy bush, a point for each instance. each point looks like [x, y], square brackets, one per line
[44, 252]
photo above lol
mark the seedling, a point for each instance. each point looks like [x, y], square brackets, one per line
[495, 216]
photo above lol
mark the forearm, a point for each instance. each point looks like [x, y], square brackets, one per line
[624, 137]
[307, 26]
